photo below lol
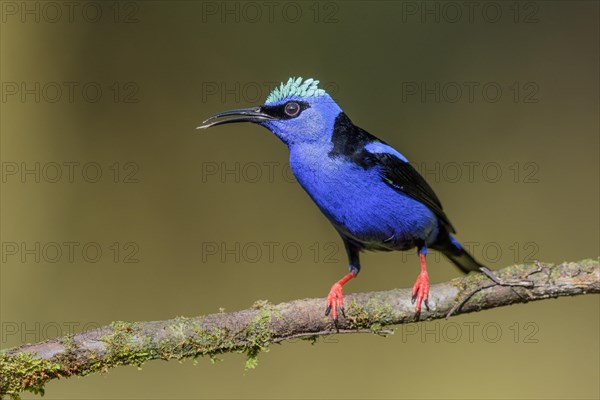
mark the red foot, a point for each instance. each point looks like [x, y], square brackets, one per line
[420, 291]
[335, 299]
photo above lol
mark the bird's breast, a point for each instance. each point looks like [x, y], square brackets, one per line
[359, 204]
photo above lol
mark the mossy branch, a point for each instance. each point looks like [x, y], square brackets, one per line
[250, 331]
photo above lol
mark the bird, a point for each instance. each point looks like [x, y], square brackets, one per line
[375, 199]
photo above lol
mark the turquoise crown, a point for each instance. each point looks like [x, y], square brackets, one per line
[295, 87]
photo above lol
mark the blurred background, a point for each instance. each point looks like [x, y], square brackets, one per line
[115, 208]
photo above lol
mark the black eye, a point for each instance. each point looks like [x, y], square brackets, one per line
[292, 109]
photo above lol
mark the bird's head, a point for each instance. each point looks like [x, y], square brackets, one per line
[297, 112]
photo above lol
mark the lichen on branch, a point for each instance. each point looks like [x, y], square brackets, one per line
[251, 331]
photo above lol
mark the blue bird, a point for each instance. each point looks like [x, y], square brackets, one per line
[371, 194]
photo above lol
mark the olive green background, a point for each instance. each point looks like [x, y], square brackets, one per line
[366, 53]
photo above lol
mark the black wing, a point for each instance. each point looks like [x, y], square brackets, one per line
[349, 141]
[405, 178]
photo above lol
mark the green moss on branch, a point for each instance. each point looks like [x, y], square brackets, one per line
[251, 331]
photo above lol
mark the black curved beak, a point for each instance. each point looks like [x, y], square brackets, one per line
[252, 114]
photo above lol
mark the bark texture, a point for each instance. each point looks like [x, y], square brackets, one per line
[250, 331]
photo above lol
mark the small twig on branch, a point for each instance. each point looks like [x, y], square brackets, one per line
[249, 331]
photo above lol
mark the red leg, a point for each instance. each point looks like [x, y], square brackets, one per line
[420, 291]
[335, 299]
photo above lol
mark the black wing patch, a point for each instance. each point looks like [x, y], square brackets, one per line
[403, 177]
[349, 141]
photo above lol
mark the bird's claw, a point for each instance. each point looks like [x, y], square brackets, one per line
[335, 302]
[420, 291]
